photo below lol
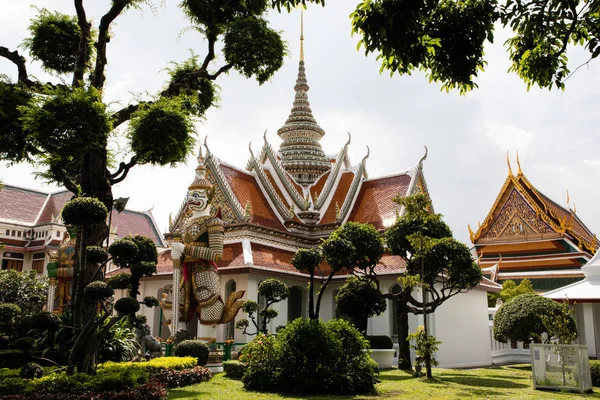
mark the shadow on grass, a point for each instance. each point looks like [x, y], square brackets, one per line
[185, 394]
[518, 367]
[483, 382]
[405, 374]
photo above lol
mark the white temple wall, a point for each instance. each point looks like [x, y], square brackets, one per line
[462, 325]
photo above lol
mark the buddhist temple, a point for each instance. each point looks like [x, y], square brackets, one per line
[528, 235]
[290, 198]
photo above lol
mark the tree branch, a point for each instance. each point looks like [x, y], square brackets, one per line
[18, 60]
[103, 38]
[573, 8]
[123, 170]
[211, 52]
[124, 114]
[84, 47]
[221, 70]
[68, 182]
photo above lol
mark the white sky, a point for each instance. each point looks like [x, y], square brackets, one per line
[467, 136]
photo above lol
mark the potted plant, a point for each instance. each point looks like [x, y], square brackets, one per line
[382, 350]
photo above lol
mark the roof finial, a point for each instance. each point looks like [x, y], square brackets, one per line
[265, 135]
[519, 172]
[510, 173]
[301, 34]
[568, 198]
[423, 158]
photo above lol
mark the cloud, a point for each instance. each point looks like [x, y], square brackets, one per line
[508, 137]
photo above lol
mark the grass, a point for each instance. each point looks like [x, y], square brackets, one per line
[508, 382]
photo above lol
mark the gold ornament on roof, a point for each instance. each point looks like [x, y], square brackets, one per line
[519, 172]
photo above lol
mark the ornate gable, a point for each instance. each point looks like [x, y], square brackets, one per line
[516, 218]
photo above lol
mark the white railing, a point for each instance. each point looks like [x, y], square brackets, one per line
[510, 352]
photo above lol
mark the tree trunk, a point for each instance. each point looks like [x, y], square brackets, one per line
[404, 361]
[94, 183]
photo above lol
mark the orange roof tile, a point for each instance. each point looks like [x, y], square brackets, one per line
[246, 189]
[21, 205]
[277, 189]
[341, 191]
[374, 203]
[54, 206]
[270, 257]
[317, 188]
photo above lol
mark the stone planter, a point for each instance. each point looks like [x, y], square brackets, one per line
[383, 357]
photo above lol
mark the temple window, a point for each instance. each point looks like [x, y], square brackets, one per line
[38, 262]
[296, 304]
[12, 261]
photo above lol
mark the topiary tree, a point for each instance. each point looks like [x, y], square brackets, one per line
[434, 259]
[273, 291]
[360, 299]
[193, 348]
[64, 126]
[527, 317]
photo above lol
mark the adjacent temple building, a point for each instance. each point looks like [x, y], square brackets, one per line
[527, 235]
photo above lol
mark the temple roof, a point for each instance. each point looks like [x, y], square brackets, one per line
[32, 208]
[522, 213]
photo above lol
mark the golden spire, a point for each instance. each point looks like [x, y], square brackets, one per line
[510, 173]
[519, 172]
[301, 35]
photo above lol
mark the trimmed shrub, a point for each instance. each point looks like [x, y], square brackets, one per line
[380, 342]
[182, 335]
[120, 281]
[31, 370]
[185, 377]
[127, 305]
[595, 371]
[44, 320]
[12, 385]
[12, 358]
[234, 369]
[98, 290]
[123, 251]
[154, 365]
[194, 348]
[261, 360]
[84, 210]
[96, 254]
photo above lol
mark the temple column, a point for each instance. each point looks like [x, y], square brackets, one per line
[175, 298]
[51, 294]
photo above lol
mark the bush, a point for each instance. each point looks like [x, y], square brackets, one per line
[13, 358]
[98, 290]
[261, 364]
[96, 254]
[31, 370]
[84, 210]
[595, 371]
[521, 318]
[44, 321]
[310, 356]
[120, 281]
[127, 306]
[194, 348]
[154, 365]
[185, 377]
[182, 335]
[234, 369]
[380, 342]
[12, 385]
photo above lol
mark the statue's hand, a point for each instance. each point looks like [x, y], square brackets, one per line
[176, 250]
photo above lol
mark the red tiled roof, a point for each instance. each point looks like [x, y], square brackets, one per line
[341, 191]
[54, 206]
[578, 226]
[317, 188]
[246, 189]
[374, 203]
[277, 189]
[20, 205]
[270, 257]
[135, 223]
[233, 256]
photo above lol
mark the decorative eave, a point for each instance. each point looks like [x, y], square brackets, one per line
[270, 192]
[267, 153]
[360, 175]
[334, 175]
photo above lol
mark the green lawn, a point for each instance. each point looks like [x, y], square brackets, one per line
[509, 382]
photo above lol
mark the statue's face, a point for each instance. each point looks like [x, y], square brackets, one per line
[197, 199]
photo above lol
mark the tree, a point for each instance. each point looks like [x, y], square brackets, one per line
[360, 299]
[522, 319]
[425, 242]
[28, 290]
[64, 126]
[446, 38]
[273, 291]
[509, 290]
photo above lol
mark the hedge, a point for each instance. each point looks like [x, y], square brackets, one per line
[595, 371]
[154, 365]
[234, 369]
[380, 342]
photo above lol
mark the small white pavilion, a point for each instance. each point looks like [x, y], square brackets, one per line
[586, 296]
